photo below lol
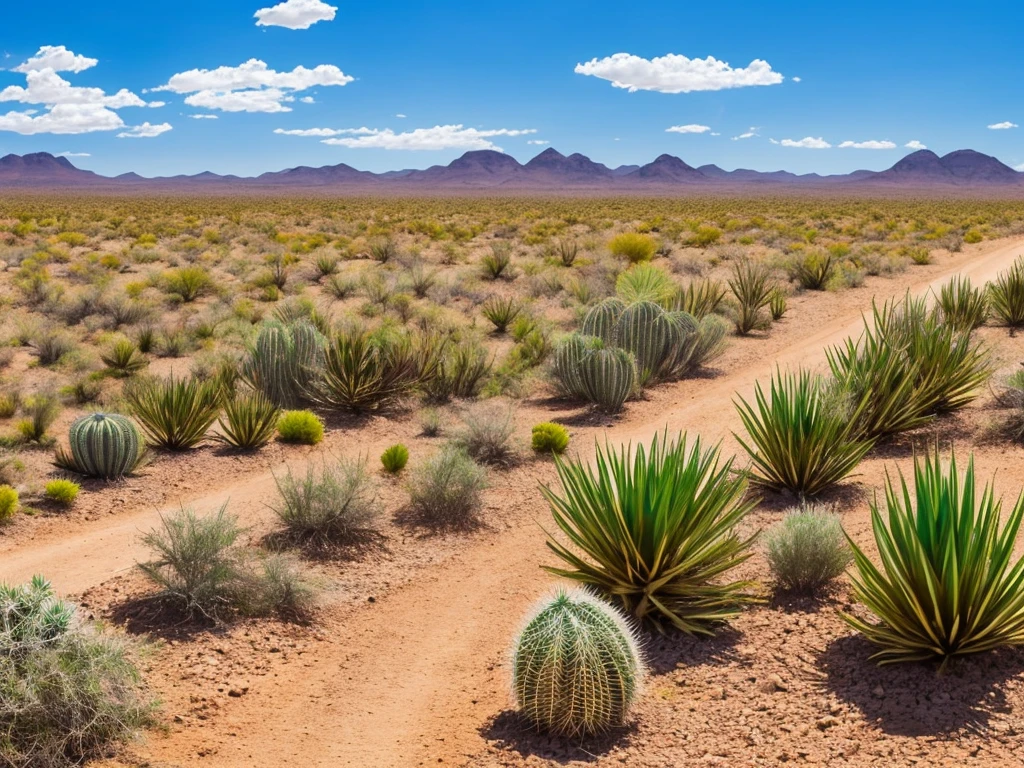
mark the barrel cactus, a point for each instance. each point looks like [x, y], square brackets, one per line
[576, 669]
[609, 377]
[645, 330]
[284, 361]
[565, 364]
[600, 320]
[105, 445]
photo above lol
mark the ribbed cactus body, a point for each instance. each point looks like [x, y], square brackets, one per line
[565, 363]
[575, 668]
[105, 445]
[685, 335]
[284, 361]
[600, 320]
[645, 330]
[609, 377]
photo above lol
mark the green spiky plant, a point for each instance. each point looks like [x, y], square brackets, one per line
[104, 445]
[576, 669]
[548, 437]
[948, 584]
[751, 286]
[656, 529]
[813, 270]
[608, 378]
[1006, 295]
[645, 330]
[174, 414]
[565, 364]
[284, 361]
[124, 358]
[963, 306]
[600, 321]
[645, 282]
[700, 298]
[501, 311]
[801, 438]
[395, 458]
[249, 421]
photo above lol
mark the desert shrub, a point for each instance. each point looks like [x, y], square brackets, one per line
[963, 306]
[188, 283]
[300, 427]
[9, 401]
[807, 550]
[105, 445]
[123, 358]
[948, 585]
[633, 246]
[501, 311]
[973, 236]
[203, 570]
[395, 458]
[284, 361]
[567, 251]
[487, 432]
[497, 263]
[174, 414]
[1006, 295]
[777, 304]
[801, 438]
[340, 287]
[249, 421]
[576, 668]
[655, 530]
[50, 346]
[325, 264]
[700, 298]
[548, 437]
[751, 286]
[63, 492]
[68, 693]
[8, 503]
[446, 490]
[645, 282]
[431, 422]
[331, 505]
[812, 270]
[383, 249]
[461, 371]
[705, 236]
[39, 411]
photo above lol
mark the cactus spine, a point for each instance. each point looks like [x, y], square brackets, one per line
[575, 667]
[600, 320]
[104, 445]
[284, 361]
[609, 377]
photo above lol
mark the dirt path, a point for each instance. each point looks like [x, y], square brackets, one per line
[409, 679]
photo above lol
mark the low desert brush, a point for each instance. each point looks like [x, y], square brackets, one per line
[807, 550]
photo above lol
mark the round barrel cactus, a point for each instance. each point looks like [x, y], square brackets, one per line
[105, 445]
[284, 360]
[565, 363]
[575, 666]
[601, 319]
[608, 377]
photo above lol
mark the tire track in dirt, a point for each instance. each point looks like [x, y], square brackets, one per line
[409, 680]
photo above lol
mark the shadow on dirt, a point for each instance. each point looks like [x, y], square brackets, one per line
[510, 731]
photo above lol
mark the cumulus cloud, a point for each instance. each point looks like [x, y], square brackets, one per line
[808, 142]
[914, 144]
[438, 137]
[674, 73]
[62, 119]
[295, 14]
[251, 86]
[58, 58]
[145, 131]
[867, 145]
[1003, 126]
[691, 128]
[308, 100]
[47, 87]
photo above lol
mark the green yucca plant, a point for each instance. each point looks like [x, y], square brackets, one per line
[801, 439]
[813, 270]
[751, 286]
[700, 298]
[174, 413]
[777, 303]
[105, 445]
[249, 421]
[1006, 295]
[645, 282]
[394, 458]
[501, 311]
[123, 358]
[963, 306]
[655, 530]
[948, 584]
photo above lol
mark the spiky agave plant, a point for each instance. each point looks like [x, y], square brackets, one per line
[576, 670]
[963, 306]
[655, 529]
[249, 421]
[801, 437]
[752, 288]
[174, 413]
[1007, 295]
[948, 585]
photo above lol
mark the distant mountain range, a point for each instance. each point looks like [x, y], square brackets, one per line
[550, 171]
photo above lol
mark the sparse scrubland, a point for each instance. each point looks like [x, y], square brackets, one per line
[734, 419]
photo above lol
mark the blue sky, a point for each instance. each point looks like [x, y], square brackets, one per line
[386, 84]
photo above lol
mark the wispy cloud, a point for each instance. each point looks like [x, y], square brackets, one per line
[1003, 126]
[538, 142]
[750, 133]
[145, 131]
[808, 142]
[73, 154]
[204, 117]
[421, 139]
[872, 144]
[674, 73]
[691, 128]
[295, 14]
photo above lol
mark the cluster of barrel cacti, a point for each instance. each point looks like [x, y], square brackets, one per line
[622, 348]
[576, 670]
[104, 445]
[284, 360]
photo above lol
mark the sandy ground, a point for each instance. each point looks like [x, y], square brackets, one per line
[406, 663]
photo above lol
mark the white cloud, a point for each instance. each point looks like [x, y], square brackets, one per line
[308, 100]
[400, 115]
[691, 128]
[1019, 167]
[203, 117]
[49, 88]
[58, 58]
[1005, 125]
[538, 142]
[251, 86]
[674, 73]
[295, 14]
[438, 137]
[886, 144]
[74, 154]
[157, 104]
[808, 142]
[796, 79]
[320, 132]
[750, 133]
[914, 144]
[145, 131]
[63, 119]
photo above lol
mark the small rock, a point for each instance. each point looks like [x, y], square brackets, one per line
[825, 723]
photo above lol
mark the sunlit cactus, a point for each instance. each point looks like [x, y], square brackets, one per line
[105, 445]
